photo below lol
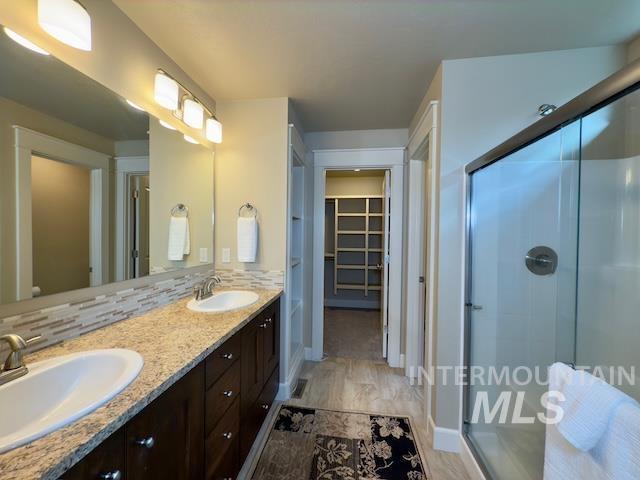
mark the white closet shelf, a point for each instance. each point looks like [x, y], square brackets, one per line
[351, 267]
[349, 286]
[352, 232]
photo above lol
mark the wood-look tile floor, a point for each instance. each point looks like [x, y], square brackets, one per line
[372, 386]
[353, 333]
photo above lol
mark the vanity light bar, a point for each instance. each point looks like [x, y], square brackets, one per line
[167, 92]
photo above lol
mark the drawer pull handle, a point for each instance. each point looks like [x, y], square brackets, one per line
[148, 442]
[263, 325]
[228, 393]
[265, 406]
[113, 475]
[227, 435]
[227, 356]
[268, 321]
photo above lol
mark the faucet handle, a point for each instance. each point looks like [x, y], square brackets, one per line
[17, 344]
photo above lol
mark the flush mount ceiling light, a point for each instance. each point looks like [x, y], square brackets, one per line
[136, 106]
[166, 91]
[192, 113]
[24, 42]
[166, 125]
[213, 130]
[356, 169]
[191, 140]
[66, 20]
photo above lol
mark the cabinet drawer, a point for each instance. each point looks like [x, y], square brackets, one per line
[229, 467]
[221, 395]
[222, 358]
[221, 439]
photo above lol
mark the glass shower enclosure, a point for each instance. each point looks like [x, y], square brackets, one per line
[553, 268]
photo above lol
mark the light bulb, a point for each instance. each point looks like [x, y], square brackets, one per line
[67, 21]
[213, 130]
[166, 91]
[192, 113]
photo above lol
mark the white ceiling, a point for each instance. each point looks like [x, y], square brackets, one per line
[361, 64]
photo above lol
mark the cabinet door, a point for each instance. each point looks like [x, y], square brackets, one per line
[252, 361]
[106, 461]
[166, 439]
[271, 329]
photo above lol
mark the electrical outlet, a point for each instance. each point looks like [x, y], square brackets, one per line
[226, 255]
[204, 255]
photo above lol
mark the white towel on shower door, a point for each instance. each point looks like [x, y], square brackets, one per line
[179, 240]
[247, 239]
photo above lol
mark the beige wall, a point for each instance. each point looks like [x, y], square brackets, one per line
[633, 50]
[123, 58]
[180, 172]
[60, 217]
[381, 138]
[251, 166]
[12, 113]
[354, 185]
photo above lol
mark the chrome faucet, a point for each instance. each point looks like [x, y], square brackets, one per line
[14, 366]
[205, 289]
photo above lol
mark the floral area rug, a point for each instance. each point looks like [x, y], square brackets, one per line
[316, 444]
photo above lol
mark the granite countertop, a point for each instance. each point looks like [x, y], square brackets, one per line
[171, 339]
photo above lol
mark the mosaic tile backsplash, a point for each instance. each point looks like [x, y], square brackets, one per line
[61, 322]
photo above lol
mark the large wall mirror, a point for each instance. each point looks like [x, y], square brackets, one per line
[92, 189]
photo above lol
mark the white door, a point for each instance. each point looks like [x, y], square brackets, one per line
[384, 293]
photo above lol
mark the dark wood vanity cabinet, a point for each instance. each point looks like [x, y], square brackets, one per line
[165, 439]
[205, 424]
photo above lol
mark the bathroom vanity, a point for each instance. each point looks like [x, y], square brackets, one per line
[206, 387]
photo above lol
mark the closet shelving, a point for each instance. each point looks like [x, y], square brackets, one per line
[357, 242]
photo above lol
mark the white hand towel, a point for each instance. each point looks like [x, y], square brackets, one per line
[179, 240]
[614, 455]
[247, 239]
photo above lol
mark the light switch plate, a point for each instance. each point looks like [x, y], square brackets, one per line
[226, 255]
[204, 254]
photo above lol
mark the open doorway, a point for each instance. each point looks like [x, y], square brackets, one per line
[355, 266]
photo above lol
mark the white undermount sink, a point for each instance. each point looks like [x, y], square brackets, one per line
[58, 391]
[224, 301]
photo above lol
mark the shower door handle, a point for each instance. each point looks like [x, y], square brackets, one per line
[473, 306]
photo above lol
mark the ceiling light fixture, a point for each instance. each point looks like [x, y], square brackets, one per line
[356, 169]
[136, 106]
[167, 125]
[166, 91]
[192, 113]
[24, 42]
[67, 21]
[191, 140]
[213, 130]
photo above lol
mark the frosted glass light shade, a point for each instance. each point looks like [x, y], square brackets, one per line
[213, 130]
[192, 113]
[67, 21]
[24, 42]
[166, 91]
[191, 140]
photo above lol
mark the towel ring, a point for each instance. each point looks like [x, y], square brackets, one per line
[253, 211]
[179, 210]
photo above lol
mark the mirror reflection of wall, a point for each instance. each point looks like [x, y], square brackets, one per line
[85, 191]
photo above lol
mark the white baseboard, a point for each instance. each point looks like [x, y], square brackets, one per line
[286, 389]
[469, 461]
[308, 353]
[446, 439]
